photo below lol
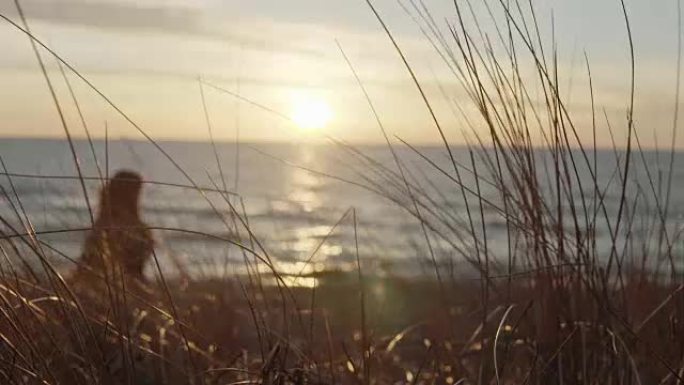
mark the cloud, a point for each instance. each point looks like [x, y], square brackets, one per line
[188, 18]
[117, 15]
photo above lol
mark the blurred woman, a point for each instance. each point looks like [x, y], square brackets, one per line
[120, 243]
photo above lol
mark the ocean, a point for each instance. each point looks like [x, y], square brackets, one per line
[300, 202]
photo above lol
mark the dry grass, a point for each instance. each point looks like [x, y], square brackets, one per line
[558, 306]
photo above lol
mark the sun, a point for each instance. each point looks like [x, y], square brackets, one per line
[310, 113]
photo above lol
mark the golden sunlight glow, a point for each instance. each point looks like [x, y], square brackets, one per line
[310, 113]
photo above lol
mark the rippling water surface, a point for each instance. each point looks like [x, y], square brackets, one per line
[295, 198]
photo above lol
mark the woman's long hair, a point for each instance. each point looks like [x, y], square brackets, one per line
[119, 199]
[119, 240]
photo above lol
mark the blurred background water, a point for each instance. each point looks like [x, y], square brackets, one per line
[295, 195]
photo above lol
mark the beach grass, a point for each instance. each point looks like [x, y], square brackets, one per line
[558, 306]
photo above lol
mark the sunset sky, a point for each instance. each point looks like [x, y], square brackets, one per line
[147, 55]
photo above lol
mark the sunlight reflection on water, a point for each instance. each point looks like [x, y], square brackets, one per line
[291, 211]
